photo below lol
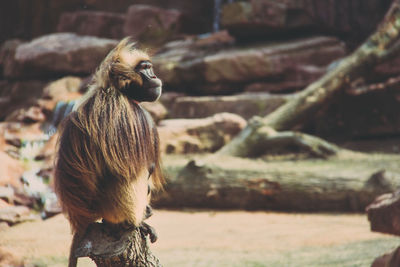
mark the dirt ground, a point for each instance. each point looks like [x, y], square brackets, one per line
[233, 238]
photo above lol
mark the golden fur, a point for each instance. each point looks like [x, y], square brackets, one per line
[106, 148]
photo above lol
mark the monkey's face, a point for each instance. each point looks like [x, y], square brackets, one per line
[140, 83]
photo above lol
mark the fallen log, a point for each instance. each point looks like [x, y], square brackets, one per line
[346, 183]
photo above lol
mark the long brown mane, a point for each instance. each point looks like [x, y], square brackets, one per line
[105, 146]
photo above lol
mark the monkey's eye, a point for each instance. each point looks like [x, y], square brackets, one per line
[143, 65]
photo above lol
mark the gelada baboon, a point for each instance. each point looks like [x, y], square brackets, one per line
[108, 151]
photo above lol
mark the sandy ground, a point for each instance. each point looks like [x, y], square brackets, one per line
[237, 238]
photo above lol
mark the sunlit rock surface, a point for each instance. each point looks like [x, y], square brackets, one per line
[58, 54]
[209, 70]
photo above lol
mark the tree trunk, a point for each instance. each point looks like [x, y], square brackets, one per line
[379, 47]
[114, 245]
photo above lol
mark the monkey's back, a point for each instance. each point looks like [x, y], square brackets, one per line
[102, 170]
[76, 181]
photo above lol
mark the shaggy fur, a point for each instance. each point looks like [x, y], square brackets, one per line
[106, 148]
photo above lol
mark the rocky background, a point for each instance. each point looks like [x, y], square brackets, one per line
[222, 62]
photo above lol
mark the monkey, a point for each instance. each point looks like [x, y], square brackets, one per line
[108, 156]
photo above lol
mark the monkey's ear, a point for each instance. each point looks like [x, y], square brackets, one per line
[113, 73]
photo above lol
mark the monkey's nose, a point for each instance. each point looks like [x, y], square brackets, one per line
[151, 74]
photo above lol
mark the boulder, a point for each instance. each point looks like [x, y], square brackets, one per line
[197, 17]
[205, 71]
[51, 206]
[93, 23]
[156, 109]
[258, 17]
[152, 25]
[17, 132]
[15, 214]
[391, 259]
[58, 54]
[48, 152]
[26, 19]
[214, 40]
[353, 20]
[15, 95]
[383, 214]
[369, 111]
[6, 194]
[246, 105]
[27, 115]
[11, 171]
[7, 52]
[9, 195]
[56, 90]
[4, 203]
[199, 135]
[384, 218]
[298, 78]
[9, 146]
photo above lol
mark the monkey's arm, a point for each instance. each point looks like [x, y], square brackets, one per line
[146, 229]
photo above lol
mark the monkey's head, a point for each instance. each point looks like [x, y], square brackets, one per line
[130, 71]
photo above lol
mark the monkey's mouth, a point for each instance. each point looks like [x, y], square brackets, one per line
[148, 92]
[151, 94]
[155, 92]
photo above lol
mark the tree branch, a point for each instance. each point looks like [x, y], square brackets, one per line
[379, 47]
[259, 139]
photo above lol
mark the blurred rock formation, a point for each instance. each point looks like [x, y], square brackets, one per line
[213, 82]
